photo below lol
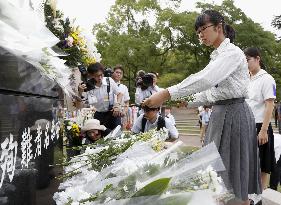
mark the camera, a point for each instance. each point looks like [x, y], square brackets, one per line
[90, 84]
[108, 72]
[144, 81]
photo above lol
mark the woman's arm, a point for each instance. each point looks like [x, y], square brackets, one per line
[215, 72]
[262, 135]
[157, 99]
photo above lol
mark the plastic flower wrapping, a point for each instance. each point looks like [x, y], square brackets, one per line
[25, 35]
[124, 168]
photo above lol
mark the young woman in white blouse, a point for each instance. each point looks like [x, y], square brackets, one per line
[223, 83]
[262, 93]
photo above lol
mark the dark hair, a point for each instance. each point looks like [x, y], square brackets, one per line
[214, 17]
[95, 67]
[118, 67]
[140, 73]
[206, 106]
[254, 52]
[147, 109]
[155, 73]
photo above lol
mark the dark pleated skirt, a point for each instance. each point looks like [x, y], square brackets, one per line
[232, 127]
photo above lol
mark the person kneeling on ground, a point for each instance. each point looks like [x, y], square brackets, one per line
[151, 119]
[94, 131]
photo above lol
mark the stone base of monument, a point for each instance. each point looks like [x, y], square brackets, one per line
[271, 197]
[22, 190]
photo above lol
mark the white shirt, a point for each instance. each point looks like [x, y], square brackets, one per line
[171, 118]
[205, 117]
[225, 77]
[140, 94]
[262, 87]
[137, 127]
[200, 109]
[124, 90]
[98, 97]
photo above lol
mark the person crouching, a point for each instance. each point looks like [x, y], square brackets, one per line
[94, 131]
[151, 119]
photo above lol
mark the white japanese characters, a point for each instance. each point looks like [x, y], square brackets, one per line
[9, 147]
[47, 137]
[53, 129]
[8, 158]
[38, 141]
[26, 148]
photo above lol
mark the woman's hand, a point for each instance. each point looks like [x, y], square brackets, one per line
[157, 99]
[262, 137]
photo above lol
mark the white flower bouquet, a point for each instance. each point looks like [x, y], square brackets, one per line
[125, 169]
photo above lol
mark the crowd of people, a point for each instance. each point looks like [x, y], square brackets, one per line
[238, 97]
[103, 90]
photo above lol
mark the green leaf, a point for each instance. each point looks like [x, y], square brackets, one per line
[175, 200]
[154, 188]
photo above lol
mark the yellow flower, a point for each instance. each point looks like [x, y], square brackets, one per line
[88, 60]
[75, 129]
[75, 36]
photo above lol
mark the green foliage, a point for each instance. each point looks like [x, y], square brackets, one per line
[106, 156]
[98, 194]
[169, 45]
[156, 187]
[276, 22]
[168, 79]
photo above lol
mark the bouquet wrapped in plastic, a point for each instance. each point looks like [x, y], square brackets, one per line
[146, 172]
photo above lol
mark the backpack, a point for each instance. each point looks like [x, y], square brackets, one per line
[160, 123]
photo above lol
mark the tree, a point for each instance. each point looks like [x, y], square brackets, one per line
[168, 43]
[128, 38]
[276, 22]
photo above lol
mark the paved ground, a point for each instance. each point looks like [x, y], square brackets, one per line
[187, 124]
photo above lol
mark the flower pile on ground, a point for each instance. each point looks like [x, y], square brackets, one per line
[126, 168]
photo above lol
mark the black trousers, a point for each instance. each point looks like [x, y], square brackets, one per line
[275, 176]
[107, 119]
